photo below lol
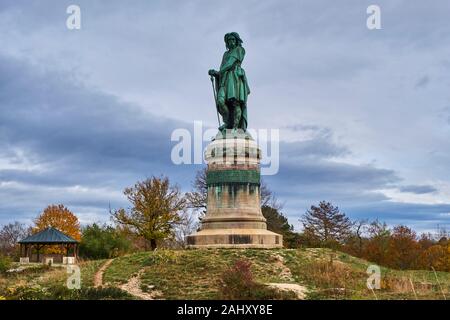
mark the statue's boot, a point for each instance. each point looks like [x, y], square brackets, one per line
[223, 127]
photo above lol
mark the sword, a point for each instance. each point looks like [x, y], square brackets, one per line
[215, 99]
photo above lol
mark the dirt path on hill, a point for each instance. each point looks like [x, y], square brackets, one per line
[133, 287]
[286, 275]
[98, 277]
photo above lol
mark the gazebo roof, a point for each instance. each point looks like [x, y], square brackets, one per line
[49, 235]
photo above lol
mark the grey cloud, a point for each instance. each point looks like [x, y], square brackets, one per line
[418, 189]
[73, 135]
[307, 174]
[318, 144]
[420, 217]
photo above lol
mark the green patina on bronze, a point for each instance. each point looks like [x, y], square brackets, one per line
[233, 176]
[231, 87]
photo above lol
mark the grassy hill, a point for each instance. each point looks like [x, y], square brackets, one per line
[195, 274]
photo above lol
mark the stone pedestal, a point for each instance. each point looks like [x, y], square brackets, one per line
[233, 218]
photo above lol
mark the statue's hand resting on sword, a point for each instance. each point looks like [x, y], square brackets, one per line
[213, 73]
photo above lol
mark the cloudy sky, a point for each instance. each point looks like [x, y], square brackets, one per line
[364, 115]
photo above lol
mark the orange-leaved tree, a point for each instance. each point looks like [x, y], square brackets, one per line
[433, 257]
[58, 217]
[403, 250]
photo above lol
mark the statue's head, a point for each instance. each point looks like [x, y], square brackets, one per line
[232, 40]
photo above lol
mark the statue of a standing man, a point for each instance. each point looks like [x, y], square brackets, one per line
[231, 85]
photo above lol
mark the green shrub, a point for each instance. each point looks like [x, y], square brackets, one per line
[102, 242]
[5, 264]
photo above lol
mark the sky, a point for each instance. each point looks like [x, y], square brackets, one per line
[363, 115]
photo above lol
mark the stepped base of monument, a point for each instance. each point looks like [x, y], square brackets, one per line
[235, 238]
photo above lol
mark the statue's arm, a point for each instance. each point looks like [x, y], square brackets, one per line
[228, 65]
[236, 56]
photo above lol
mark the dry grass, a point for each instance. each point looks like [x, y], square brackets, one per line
[331, 279]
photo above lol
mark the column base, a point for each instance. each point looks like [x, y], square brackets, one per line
[235, 238]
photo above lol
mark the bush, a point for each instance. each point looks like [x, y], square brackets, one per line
[5, 264]
[60, 292]
[237, 283]
[102, 242]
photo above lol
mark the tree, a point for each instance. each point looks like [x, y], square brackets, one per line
[100, 242]
[434, 257]
[376, 249]
[448, 257]
[155, 209]
[197, 199]
[426, 241]
[188, 225]
[268, 198]
[278, 223]
[403, 248]
[58, 217]
[354, 244]
[10, 234]
[326, 224]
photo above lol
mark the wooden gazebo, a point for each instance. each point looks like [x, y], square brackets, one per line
[48, 237]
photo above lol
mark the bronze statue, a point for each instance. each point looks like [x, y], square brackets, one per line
[231, 87]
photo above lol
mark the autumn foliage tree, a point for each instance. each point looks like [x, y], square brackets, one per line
[58, 217]
[403, 248]
[61, 218]
[377, 245]
[155, 211]
[435, 257]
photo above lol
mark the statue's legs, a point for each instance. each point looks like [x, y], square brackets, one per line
[237, 114]
[223, 109]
